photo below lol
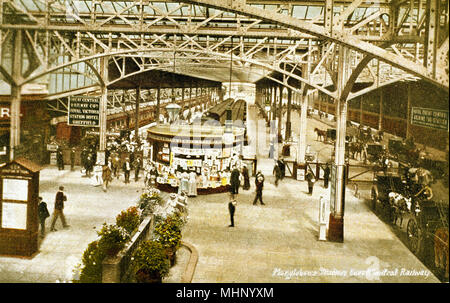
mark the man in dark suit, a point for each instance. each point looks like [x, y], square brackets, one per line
[126, 170]
[326, 176]
[259, 182]
[235, 182]
[232, 209]
[311, 179]
[59, 206]
[43, 214]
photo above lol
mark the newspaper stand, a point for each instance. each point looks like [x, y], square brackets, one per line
[19, 191]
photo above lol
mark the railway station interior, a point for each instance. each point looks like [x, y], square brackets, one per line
[244, 141]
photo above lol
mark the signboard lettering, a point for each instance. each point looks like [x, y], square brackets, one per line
[429, 117]
[84, 111]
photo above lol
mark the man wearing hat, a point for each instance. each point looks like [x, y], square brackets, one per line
[59, 206]
[259, 182]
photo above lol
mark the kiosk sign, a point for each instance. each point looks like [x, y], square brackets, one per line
[84, 111]
[429, 117]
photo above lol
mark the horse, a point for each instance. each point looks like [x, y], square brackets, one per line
[400, 204]
[320, 134]
[441, 249]
[355, 148]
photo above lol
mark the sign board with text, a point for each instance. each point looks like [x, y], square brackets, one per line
[428, 117]
[84, 111]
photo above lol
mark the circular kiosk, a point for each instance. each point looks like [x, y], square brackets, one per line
[207, 153]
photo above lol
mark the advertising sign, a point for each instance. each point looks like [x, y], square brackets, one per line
[429, 117]
[84, 111]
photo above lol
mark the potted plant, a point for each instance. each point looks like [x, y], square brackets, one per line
[129, 220]
[148, 201]
[168, 233]
[91, 271]
[112, 239]
[150, 262]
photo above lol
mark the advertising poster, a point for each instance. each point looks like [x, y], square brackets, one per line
[15, 189]
[14, 215]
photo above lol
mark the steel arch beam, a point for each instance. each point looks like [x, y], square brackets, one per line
[337, 35]
[215, 55]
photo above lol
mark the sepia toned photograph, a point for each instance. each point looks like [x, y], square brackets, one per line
[232, 142]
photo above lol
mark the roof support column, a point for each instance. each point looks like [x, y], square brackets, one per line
[432, 12]
[103, 104]
[14, 137]
[301, 149]
[337, 194]
[287, 134]
[136, 116]
[158, 101]
[280, 113]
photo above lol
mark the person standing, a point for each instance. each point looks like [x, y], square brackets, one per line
[282, 166]
[72, 158]
[137, 164]
[106, 176]
[232, 209]
[259, 182]
[126, 170]
[246, 176]
[43, 214]
[326, 175]
[60, 198]
[59, 158]
[277, 173]
[192, 185]
[235, 182]
[310, 178]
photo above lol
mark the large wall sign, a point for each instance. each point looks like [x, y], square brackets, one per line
[84, 111]
[428, 117]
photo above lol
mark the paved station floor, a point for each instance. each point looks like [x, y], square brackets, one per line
[277, 242]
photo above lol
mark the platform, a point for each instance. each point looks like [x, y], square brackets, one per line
[277, 242]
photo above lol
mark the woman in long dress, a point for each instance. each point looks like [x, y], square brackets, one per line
[192, 187]
[184, 183]
[246, 176]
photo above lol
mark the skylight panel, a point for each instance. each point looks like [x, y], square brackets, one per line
[299, 11]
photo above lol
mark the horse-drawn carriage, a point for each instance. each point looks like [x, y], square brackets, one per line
[401, 200]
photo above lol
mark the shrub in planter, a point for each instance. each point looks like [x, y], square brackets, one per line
[113, 239]
[92, 259]
[129, 220]
[148, 201]
[168, 233]
[150, 262]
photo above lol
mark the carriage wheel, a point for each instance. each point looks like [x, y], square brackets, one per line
[415, 239]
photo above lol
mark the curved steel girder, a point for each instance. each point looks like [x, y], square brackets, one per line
[356, 72]
[214, 54]
[338, 36]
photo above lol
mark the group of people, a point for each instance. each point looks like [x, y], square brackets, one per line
[58, 212]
